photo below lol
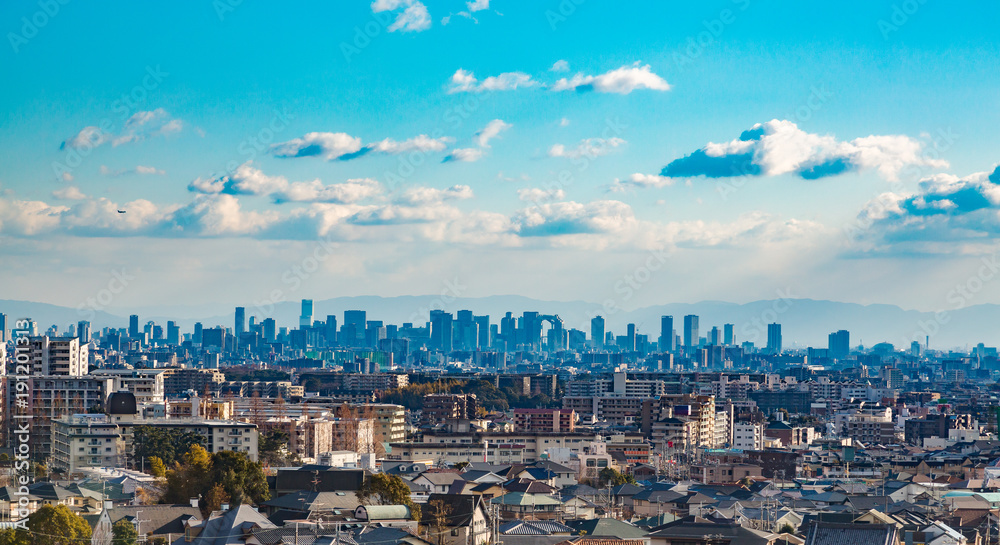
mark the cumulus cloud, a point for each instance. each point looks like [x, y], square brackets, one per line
[351, 191]
[946, 214]
[328, 145]
[142, 125]
[412, 15]
[491, 131]
[463, 81]
[465, 155]
[590, 148]
[425, 195]
[477, 5]
[639, 181]
[780, 147]
[540, 195]
[622, 81]
[70, 193]
[418, 143]
[88, 137]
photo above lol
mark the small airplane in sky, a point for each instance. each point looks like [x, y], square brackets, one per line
[121, 211]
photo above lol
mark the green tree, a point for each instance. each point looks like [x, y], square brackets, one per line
[190, 478]
[786, 529]
[273, 448]
[57, 526]
[385, 489]
[167, 445]
[10, 536]
[157, 468]
[242, 479]
[124, 533]
[610, 475]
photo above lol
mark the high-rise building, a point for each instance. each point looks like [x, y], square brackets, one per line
[197, 337]
[728, 337]
[691, 331]
[597, 331]
[3, 328]
[133, 326]
[358, 320]
[774, 338]
[331, 330]
[173, 333]
[714, 336]
[483, 342]
[241, 321]
[666, 339]
[306, 318]
[269, 327]
[82, 331]
[839, 344]
[441, 330]
[630, 338]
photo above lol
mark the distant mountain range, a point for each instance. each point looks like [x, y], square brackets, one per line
[805, 322]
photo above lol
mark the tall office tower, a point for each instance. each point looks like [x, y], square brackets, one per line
[173, 334]
[508, 331]
[630, 338]
[597, 331]
[3, 327]
[727, 334]
[82, 331]
[441, 330]
[269, 327]
[157, 332]
[483, 342]
[241, 321]
[714, 337]
[774, 338]
[374, 333]
[690, 331]
[331, 330]
[839, 344]
[532, 327]
[466, 334]
[666, 338]
[358, 319]
[306, 318]
[198, 333]
[133, 326]
[609, 339]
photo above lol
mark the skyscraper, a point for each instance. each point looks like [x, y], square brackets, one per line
[630, 338]
[690, 331]
[269, 327]
[82, 331]
[597, 331]
[331, 330]
[728, 337]
[241, 321]
[197, 338]
[839, 344]
[441, 330]
[173, 334]
[774, 338]
[666, 340]
[306, 318]
[714, 336]
[133, 326]
[358, 320]
[3, 327]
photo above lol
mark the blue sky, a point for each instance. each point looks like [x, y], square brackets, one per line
[839, 151]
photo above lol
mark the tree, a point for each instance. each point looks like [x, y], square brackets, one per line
[439, 518]
[385, 489]
[610, 475]
[57, 526]
[786, 529]
[214, 498]
[10, 536]
[124, 533]
[242, 479]
[157, 468]
[167, 445]
[273, 448]
[189, 479]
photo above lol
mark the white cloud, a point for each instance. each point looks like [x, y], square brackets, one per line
[780, 147]
[413, 18]
[418, 143]
[140, 169]
[425, 195]
[491, 131]
[622, 80]
[540, 195]
[564, 122]
[464, 81]
[71, 193]
[590, 148]
[477, 5]
[67, 177]
[465, 155]
[639, 180]
[143, 124]
[559, 66]
[328, 145]
[88, 137]
[351, 191]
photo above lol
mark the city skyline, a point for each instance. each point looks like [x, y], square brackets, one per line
[355, 150]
